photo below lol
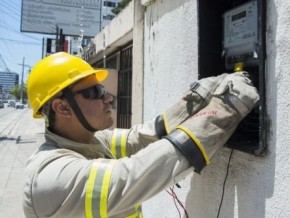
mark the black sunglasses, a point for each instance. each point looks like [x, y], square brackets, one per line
[94, 92]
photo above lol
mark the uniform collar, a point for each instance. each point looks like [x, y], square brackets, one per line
[90, 151]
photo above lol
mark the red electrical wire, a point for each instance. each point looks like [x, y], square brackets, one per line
[176, 200]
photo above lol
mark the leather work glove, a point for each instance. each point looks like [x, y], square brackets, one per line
[193, 100]
[199, 137]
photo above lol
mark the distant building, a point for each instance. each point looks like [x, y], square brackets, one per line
[7, 82]
[107, 14]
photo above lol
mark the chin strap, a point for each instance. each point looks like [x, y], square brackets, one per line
[68, 95]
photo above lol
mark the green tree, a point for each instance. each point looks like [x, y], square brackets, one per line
[16, 91]
[120, 6]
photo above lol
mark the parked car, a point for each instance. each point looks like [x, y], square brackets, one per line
[11, 103]
[1, 104]
[19, 105]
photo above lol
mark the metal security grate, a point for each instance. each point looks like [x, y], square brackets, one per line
[125, 89]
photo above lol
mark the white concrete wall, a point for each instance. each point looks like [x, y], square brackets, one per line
[170, 53]
[255, 187]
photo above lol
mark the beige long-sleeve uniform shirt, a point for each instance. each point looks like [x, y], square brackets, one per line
[109, 178]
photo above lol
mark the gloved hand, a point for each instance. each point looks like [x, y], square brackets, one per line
[196, 98]
[200, 136]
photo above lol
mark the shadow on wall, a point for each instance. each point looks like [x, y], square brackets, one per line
[250, 179]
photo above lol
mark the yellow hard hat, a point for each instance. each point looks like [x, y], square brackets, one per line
[54, 73]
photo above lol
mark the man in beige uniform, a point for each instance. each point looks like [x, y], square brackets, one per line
[83, 170]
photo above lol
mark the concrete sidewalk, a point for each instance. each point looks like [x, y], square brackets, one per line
[15, 147]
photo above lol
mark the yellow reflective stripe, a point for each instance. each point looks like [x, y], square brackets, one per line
[123, 144]
[118, 143]
[114, 142]
[165, 123]
[200, 146]
[138, 213]
[134, 215]
[90, 189]
[139, 209]
[105, 189]
[96, 199]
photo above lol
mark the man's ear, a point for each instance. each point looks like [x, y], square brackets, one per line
[61, 107]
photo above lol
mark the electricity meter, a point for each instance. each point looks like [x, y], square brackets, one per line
[240, 43]
[237, 30]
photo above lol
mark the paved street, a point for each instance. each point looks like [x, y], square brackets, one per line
[20, 135]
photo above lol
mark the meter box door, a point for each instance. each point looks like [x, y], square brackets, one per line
[232, 32]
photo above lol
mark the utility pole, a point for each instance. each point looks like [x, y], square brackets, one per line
[60, 39]
[57, 39]
[21, 86]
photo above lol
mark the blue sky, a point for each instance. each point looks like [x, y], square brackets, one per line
[16, 45]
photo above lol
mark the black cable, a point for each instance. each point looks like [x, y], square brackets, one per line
[228, 166]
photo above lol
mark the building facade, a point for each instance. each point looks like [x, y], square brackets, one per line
[106, 12]
[8, 80]
[177, 42]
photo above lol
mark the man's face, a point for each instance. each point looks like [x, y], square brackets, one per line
[96, 111]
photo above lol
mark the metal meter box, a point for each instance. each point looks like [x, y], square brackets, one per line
[230, 32]
[241, 35]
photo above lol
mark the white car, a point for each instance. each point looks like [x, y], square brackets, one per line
[11, 103]
[19, 105]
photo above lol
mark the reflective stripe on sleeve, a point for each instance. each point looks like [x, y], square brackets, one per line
[97, 188]
[138, 213]
[118, 143]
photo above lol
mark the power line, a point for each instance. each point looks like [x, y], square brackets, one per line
[4, 26]
[4, 64]
[31, 37]
[13, 42]
[20, 42]
[8, 48]
[16, 31]
[12, 7]
[9, 14]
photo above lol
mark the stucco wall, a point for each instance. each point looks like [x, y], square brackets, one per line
[255, 187]
[170, 53]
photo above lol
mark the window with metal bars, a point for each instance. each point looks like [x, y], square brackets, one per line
[125, 89]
